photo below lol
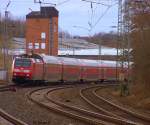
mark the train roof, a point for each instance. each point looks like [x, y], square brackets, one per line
[70, 61]
[51, 59]
[74, 61]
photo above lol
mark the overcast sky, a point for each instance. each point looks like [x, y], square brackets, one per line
[75, 16]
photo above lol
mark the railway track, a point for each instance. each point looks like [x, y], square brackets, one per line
[90, 96]
[42, 98]
[135, 113]
[8, 88]
[57, 108]
[12, 120]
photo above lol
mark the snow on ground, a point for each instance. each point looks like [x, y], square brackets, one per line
[64, 51]
[95, 51]
[16, 51]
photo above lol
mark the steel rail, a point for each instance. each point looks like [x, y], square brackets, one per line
[6, 87]
[71, 115]
[93, 114]
[64, 112]
[102, 108]
[134, 113]
[94, 105]
[11, 119]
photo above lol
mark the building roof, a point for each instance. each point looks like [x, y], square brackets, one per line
[45, 12]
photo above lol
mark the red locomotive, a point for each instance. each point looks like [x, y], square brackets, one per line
[51, 68]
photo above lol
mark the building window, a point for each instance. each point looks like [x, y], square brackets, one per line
[55, 27]
[43, 35]
[30, 45]
[42, 45]
[36, 45]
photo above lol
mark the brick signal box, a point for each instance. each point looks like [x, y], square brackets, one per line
[42, 31]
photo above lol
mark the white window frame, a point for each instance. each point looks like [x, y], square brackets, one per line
[43, 45]
[36, 45]
[30, 45]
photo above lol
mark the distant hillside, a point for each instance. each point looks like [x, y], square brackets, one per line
[106, 39]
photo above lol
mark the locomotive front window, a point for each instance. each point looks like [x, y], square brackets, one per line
[22, 62]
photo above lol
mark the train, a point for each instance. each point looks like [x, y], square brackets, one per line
[40, 67]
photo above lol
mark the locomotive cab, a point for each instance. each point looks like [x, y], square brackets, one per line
[22, 69]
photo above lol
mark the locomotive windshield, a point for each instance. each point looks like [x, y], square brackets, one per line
[22, 62]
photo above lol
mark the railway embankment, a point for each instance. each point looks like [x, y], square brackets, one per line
[17, 104]
[136, 100]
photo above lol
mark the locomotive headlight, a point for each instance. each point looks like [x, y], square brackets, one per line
[26, 71]
[16, 70]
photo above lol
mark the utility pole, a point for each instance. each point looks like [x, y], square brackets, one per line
[100, 60]
[119, 41]
[0, 29]
[5, 40]
[127, 25]
[5, 44]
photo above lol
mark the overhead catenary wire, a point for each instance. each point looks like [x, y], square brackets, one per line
[63, 2]
[99, 19]
[41, 2]
[90, 23]
[54, 4]
[95, 2]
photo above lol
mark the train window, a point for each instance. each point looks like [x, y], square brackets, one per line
[22, 62]
[38, 60]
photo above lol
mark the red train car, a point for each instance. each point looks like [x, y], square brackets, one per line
[50, 68]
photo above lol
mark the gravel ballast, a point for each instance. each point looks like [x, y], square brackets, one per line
[17, 105]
